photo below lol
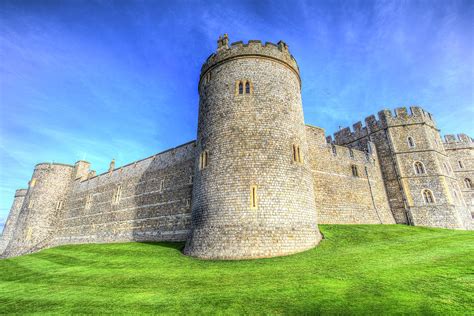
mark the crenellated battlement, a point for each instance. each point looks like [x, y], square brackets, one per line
[20, 192]
[385, 118]
[458, 141]
[255, 48]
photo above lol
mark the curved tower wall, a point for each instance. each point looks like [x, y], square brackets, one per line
[249, 141]
[40, 213]
[12, 220]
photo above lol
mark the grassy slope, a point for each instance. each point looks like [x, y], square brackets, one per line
[360, 268]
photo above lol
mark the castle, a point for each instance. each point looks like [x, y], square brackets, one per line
[257, 181]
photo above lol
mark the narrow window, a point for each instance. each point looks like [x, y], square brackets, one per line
[334, 151]
[247, 87]
[460, 164]
[253, 197]
[419, 167]
[59, 205]
[203, 160]
[162, 185]
[208, 77]
[297, 154]
[351, 153]
[355, 172]
[456, 196]
[468, 183]
[117, 195]
[411, 143]
[88, 202]
[241, 87]
[188, 202]
[191, 179]
[32, 182]
[446, 167]
[428, 196]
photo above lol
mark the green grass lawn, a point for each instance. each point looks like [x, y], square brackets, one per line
[357, 269]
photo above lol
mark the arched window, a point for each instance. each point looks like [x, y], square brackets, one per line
[468, 183]
[419, 167]
[428, 196]
[411, 142]
[247, 87]
[355, 172]
[241, 87]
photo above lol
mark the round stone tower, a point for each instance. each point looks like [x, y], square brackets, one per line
[44, 201]
[253, 192]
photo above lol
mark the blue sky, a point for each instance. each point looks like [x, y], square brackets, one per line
[118, 79]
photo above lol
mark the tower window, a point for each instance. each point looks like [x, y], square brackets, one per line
[253, 197]
[297, 154]
[468, 183]
[428, 196]
[243, 86]
[355, 172]
[188, 202]
[207, 79]
[411, 142]
[351, 153]
[419, 167]
[117, 194]
[59, 205]
[334, 150]
[460, 164]
[191, 179]
[88, 202]
[203, 160]
[162, 185]
[446, 167]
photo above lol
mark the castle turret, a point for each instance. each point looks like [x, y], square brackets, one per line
[253, 192]
[42, 207]
[12, 220]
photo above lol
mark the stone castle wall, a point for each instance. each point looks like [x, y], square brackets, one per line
[154, 202]
[253, 196]
[341, 196]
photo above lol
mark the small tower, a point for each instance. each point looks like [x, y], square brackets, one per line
[112, 165]
[253, 191]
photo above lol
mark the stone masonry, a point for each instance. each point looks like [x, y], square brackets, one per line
[257, 180]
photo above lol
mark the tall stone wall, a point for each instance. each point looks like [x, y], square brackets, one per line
[154, 202]
[342, 197]
[12, 220]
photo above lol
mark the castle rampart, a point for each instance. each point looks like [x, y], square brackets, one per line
[351, 175]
